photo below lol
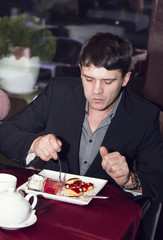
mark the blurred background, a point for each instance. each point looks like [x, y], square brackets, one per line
[58, 28]
[41, 40]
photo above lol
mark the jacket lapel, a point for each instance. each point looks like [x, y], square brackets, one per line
[76, 118]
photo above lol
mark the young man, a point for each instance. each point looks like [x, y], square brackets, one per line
[99, 127]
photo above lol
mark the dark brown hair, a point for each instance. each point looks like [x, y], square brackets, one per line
[107, 50]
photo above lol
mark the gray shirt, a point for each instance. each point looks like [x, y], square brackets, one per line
[91, 142]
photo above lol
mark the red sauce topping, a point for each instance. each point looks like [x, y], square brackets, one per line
[77, 189]
[78, 183]
[85, 187]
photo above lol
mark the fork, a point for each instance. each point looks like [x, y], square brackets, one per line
[60, 167]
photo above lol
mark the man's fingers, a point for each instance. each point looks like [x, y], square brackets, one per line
[46, 147]
[55, 143]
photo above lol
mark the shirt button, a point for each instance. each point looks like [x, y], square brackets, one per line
[90, 140]
[85, 162]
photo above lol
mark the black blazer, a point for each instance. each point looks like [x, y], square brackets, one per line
[60, 109]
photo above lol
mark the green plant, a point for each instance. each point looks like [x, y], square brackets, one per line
[25, 31]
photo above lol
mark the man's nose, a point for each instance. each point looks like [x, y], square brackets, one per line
[98, 87]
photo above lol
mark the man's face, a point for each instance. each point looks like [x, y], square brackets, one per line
[101, 86]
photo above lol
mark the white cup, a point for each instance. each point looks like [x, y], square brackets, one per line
[7, 181]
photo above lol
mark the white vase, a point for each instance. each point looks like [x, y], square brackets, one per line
[19, 76]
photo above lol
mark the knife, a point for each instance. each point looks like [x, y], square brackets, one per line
[89, 196]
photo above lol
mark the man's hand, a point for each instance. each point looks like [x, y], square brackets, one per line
[115, 165]
[46, 147]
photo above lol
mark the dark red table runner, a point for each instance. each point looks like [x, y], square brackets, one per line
[113, 219]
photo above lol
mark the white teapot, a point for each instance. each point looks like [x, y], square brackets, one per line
[14, 207]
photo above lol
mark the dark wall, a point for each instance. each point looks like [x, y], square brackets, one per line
[153, 88]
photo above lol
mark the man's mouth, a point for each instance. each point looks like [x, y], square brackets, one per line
[97, 100]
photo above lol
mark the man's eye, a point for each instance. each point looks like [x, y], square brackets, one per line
[108, 82]
[89, 79]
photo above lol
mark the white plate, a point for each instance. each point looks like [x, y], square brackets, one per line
[30, 221]
[98, 185]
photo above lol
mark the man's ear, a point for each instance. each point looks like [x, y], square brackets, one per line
[126, 79]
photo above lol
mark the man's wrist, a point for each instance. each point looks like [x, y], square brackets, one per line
[133, 182]
[31, 150]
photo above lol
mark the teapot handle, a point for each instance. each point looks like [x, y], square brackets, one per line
[27, 197]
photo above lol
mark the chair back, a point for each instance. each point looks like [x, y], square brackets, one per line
[67, 50]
